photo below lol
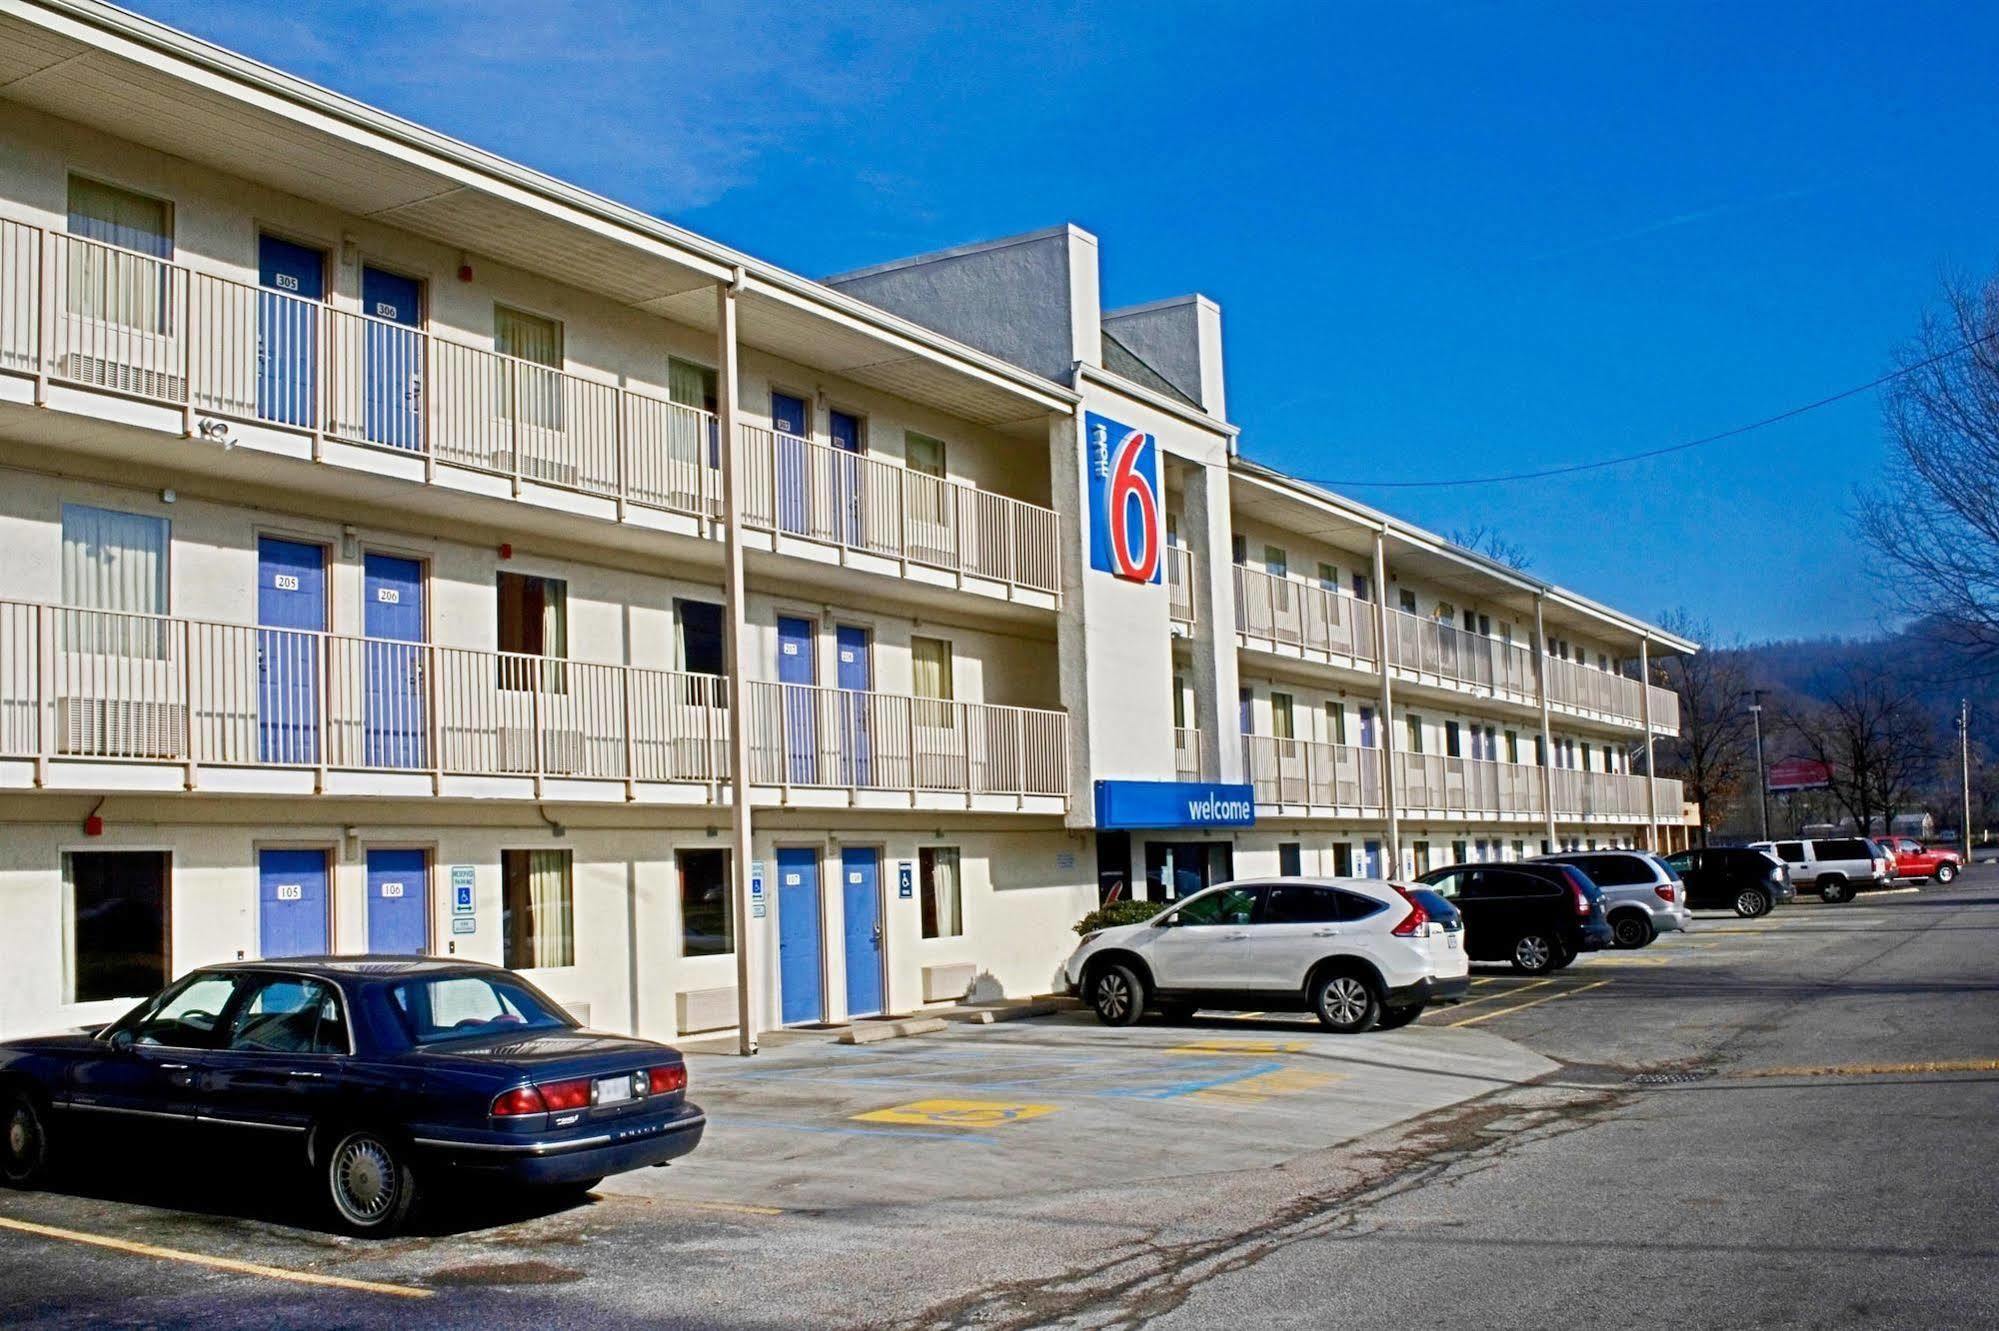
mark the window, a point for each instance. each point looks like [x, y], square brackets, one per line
[702, 649]
[1342, 860]
[289, 1014]
[1276, 562]
[1367, 727]
[1329, 577]
[538, 911]
[113, 284]
[707, 916]
[532, 396]
[691, 385]
[1419, 854]
[943, 904]
[1238, 550]
[1791, 852]
[115, 563]
[1336, 722]
[1471, 622]
[116, 919]
[1485, 626]
[465, 1007]
[1295, 903]
[1360, 586]
[1408, 600]
[1458, 855]
[185, 1017]
[923, 454]
[1453, 740]
[534, 621]
[1290, 859]
[930, 678]
[1179, 702]
[1415, 727]
[1229, 905]
[1281, 723]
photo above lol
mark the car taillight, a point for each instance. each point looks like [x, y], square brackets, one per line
[661, 1081]
[520, 1100]
[1665, 892]
[561, 1095]
[1415, 920]
[1582, 897]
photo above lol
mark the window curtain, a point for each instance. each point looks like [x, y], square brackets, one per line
[943, 907]
[929, 501]
[114, 562]
[551, 936]
[693, 385]
[116, 287]
[930, 671]
[535, 395]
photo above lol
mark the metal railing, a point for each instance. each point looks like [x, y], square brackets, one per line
[1573, 684]
[1472, 787]
[1302, 614]
[81, 312]
[1297, 771]
[93, 684]
[1187, 764]
[1436, 650]
[809, 735]
[1180, 583]
[1665, 709]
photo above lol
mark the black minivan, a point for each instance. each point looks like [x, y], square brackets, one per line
[1537, 916]
[1748, 882]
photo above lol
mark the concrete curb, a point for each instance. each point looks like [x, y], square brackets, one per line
[876, 1031]
[986, 1016]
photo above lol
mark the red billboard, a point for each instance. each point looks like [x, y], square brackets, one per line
[1799, 774]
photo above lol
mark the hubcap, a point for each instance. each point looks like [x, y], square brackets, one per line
[1531, 952]
[1113, 1000]
[1749, 903]
[1346, 1000]
[364, 1178]
[20, 1138]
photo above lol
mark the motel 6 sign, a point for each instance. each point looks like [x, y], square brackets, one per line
[1127, 529]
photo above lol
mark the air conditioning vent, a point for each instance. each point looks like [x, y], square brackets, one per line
[561, 750]
[119, 728]
[101, 372]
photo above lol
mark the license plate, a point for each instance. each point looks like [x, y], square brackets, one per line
[614, 1090]
[1451, 942]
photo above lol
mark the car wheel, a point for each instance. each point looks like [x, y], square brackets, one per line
[1117, 994]
[369, 1182]
[24, 1140]
[1946, 872]
[1751, 902]
[1534, 954]
[1632, 929]
[1835, 890]
[1395, 1018]
[1345, 1002]
[1565, 955]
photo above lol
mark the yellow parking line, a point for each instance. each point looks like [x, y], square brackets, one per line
[1877, 1069]
[1505, 993]
[215, 1263]
[733, 1208]
[1532, 1002]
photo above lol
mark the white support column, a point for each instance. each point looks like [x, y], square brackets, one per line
[1547, 732]
[1645, 714]
[1388, 791]
[727, 385]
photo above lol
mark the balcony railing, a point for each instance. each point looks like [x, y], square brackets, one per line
[1272, 609]
[1435, 650]
[91, 684]
[1180, 583]
[1187, 764]
[1584, 688]
[1470, 787]
[1665, 709]
[80, 312]
[1296, 771]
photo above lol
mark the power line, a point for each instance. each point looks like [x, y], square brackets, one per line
[1572, 468]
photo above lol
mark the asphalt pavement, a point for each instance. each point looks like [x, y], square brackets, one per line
[1779, 1122]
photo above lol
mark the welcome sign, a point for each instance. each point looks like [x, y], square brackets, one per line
[1160, 804]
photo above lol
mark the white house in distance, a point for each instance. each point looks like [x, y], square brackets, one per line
[364, 586]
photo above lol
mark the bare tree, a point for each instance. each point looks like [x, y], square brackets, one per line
[1942, 416]
[1879, 748]
[1714, 755]
[1485, 540]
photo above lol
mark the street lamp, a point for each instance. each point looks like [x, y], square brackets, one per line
[1755, 697]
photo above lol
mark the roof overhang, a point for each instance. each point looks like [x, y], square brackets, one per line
[147, 83]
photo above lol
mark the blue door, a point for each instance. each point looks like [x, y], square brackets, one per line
[398, 901]
[860, 886]
[397, 728]
[291, 614]
[291, 903]
[392, 358]
[798, 965]
[1367, 727]
[788, 419]
[845, 429]
[856, 679]
[1371, 863]
[797, 671]
[293, 278]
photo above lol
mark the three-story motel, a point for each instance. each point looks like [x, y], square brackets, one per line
[403, 551]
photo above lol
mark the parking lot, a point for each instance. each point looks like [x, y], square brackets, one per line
[1056, 1172]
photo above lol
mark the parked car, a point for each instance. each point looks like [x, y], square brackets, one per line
[370, 1072]
[1358, 953]
[1641, 896]
[1912, 859]
[1748, 882]
[1835, 866]
[1537, 916]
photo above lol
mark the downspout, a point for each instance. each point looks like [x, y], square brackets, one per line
[734, 609]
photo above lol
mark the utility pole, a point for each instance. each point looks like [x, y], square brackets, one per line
[1964, 762]
[1755, 697]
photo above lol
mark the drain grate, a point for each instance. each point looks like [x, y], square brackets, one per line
[1667, 1078]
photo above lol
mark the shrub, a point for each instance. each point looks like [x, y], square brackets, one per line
[1118, 912]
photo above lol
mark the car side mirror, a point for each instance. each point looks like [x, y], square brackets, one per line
[121, 1040]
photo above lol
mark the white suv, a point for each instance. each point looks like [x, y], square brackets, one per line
[1836, 866]
[1358, 953]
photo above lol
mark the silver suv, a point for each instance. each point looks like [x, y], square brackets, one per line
[1836, 866]
[1642, 896]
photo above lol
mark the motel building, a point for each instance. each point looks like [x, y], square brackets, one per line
[403, 552]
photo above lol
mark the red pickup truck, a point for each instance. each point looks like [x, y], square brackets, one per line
[1912, 859]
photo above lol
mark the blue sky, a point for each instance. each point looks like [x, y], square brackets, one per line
[1448, 239]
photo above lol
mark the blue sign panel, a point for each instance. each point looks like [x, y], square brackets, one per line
[1155, 804]
[1127, 522]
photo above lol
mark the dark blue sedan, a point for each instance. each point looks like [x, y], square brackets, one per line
[375, 1071]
